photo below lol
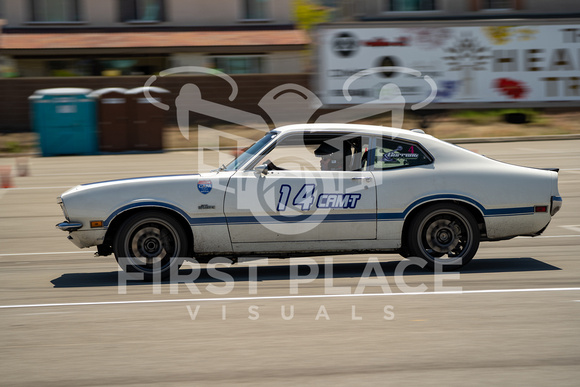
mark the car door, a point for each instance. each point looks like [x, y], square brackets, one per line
[296, 201]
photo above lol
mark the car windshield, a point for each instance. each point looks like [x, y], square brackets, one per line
[250, 152]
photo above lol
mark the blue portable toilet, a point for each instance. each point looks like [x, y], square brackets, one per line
[65, 119]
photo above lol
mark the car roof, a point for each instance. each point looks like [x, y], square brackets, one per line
[355, 128]
[440, 149]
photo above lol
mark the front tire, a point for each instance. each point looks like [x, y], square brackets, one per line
[446, 236]
[150, 245]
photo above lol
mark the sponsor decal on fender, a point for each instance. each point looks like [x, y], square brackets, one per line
[204, 186]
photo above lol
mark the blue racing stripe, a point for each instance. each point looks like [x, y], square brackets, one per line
[190, 220]
[510, 211]
[391, 216]
[317, 218]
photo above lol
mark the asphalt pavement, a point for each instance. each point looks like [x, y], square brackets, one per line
[511, 317]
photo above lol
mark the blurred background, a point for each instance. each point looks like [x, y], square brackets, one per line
[72, 74]
[262, 44]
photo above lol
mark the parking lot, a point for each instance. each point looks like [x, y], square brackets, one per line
[67, 319]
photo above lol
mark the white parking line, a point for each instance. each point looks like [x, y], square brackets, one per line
[249, 258]
[549, 236]
[574, 227]
[31, 188]
[47, 253]
[45, 313]
[135, 302]
[131, 173]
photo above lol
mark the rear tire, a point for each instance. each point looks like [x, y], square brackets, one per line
[150, 245]
[446, 236]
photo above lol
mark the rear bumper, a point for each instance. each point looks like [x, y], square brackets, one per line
[555, 205]
[539, 232]
[502, 227]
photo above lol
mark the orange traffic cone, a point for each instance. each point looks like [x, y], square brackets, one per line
[6, 176]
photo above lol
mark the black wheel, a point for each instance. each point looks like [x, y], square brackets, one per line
[151, 243]
[445, 235]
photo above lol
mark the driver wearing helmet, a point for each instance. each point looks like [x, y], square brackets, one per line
[330, 157]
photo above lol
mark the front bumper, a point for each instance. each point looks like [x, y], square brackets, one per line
[69, 226]
[87, 238]
[82, 238]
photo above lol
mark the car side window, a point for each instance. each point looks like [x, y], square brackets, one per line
[318, 152]
[292, 154]
[390, 154]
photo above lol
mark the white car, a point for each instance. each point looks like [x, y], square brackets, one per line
[317, 189]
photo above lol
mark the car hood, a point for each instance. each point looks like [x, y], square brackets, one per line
[131, 183]
[100, 201]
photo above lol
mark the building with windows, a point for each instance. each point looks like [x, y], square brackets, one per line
[120, 43]
[142, 37]
[391, 10]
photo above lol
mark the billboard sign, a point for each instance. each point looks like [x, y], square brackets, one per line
[468, 64]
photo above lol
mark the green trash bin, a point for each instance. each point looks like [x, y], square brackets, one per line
[65, 119]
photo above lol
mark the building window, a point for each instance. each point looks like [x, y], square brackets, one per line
[55, 10]
[255, 9]
[142, 10]
[97, 66]
[496, 4]
[411, 5]
[238, 64]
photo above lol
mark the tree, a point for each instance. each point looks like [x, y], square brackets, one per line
[308, 13]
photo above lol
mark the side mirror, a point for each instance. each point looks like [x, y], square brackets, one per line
[261, 169]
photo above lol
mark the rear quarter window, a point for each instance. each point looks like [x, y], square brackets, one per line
[391, 154]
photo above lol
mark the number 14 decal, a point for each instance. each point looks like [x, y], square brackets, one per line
[303, 199]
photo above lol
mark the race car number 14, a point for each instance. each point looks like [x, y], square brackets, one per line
[304, 199]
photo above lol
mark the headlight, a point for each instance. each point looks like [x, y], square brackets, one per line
[62, 207]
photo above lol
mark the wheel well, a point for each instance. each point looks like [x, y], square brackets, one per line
[120, 219]
[472, 209]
